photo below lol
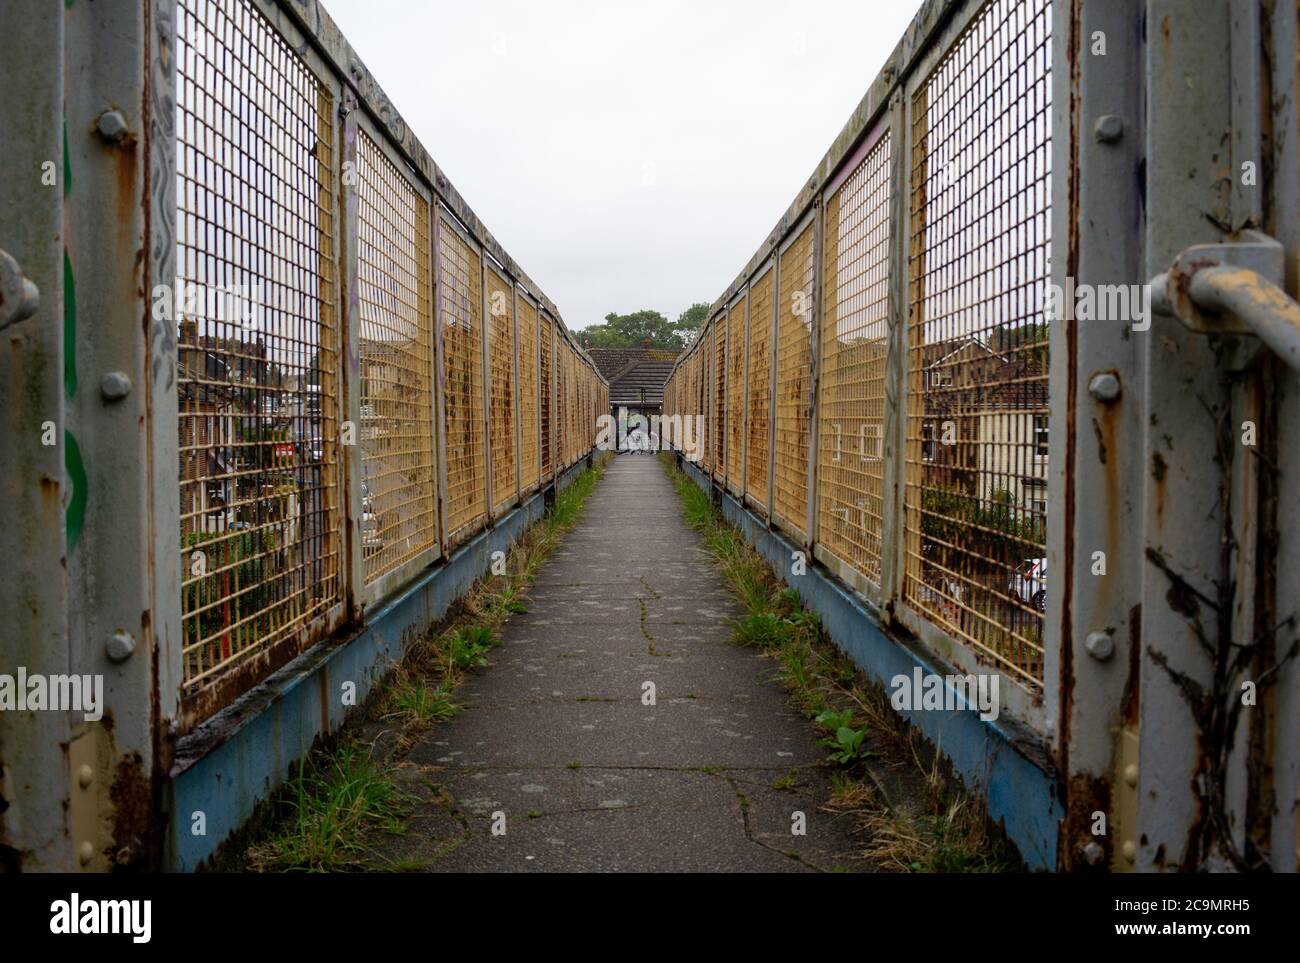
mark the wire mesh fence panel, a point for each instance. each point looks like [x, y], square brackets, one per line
[501, 348]
[575, 370]
[853, 345]
[708, 400]
[528, 423]
[566, 408]
[736, 393]
[584, 410]
[257, 343]
[398, 510]
[793, 381]
[546, 374]
[760, 388]
[977, 423]
[721, 453]
[460, 277]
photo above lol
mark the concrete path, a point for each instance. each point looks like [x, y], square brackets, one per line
[556, 737]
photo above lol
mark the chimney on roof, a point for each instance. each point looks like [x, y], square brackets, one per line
[647, 342]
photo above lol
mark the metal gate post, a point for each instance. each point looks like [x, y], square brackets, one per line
[34, 493]
[1095, 445]
[1282, 799]
[120, 384]
[1199, 479]
[351, 457]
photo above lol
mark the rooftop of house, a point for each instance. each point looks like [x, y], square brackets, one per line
[636, 376]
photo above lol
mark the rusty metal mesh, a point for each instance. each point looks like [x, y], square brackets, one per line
[760, 388]
[399, 511]
[977, 420]
[793, 381]
[566, 400]
[257, 343]
[547, 375]
[460, 286]
[853, 346]
[501, 408]
[709, 400]
[528, 423]
[721, 453]
[736, 393]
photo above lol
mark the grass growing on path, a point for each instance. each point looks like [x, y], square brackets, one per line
[932, 827]
[346, 791]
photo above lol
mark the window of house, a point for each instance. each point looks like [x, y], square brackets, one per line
[1040, 435]
[870, 442]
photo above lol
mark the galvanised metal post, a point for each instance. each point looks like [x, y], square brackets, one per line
[537, 362]
[1193, 505]
[1283, 222]
[814, 372]
[894, 430]
[122, 527]
[774, 357]
[1094, 550]
[349, 405]
[514, 394]
[35, 488]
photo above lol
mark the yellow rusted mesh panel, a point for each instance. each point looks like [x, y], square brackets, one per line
[720, 453]
[709, 399]
[736, 393]
[460, 301]
[257, 347]
[399, 514]
[589, 410]
[794, 381]
[575, 367]
[562, 400]
[698, 403]
[854, 338]
[528, 453]
[566, 379]
[501, 359]
[977, 421]
[547, 395]
[760, 387]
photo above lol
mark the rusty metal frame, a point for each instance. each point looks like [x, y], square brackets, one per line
[263, 659]
[385, 583]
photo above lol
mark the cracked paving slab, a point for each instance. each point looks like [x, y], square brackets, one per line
[557, 745]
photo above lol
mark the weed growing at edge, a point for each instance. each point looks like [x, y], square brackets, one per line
[948, 831]
[320, 819]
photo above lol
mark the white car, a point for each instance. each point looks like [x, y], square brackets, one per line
[372, 541]
[1029, 583]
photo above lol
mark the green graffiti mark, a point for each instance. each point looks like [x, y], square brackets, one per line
[76, 517]
[67, 162]
[69, 327]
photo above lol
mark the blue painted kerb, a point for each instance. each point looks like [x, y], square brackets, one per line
[276, 723]
[1022, 795]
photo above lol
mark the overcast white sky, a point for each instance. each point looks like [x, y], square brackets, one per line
[628, 155]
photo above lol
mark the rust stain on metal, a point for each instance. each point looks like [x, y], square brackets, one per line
[50, 492]
[1072, 348]
[1087, 795]
[1132, 683]
[132, 797]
